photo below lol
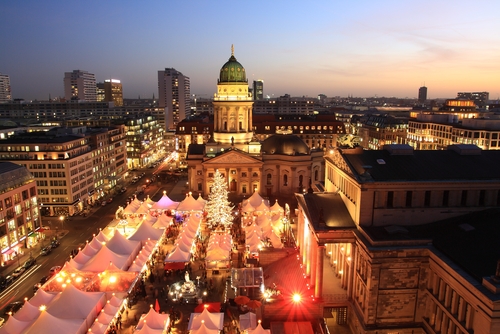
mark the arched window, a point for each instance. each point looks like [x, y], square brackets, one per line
[269, 179]
[285, 180]
[316, 175]
[301, 177]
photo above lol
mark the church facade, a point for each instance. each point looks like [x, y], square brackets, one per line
[280, 165]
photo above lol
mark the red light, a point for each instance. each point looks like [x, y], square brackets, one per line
[296, 298]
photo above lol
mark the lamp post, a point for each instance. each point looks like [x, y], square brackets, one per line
[61, 218]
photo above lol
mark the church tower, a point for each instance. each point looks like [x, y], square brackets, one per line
[233, 106]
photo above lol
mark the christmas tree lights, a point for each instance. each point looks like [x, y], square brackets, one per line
[218, 207]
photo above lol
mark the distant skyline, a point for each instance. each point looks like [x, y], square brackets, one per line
[360, 48]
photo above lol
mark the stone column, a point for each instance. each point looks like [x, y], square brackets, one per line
[318, 285]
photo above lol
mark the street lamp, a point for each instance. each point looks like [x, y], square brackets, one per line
[61, 218]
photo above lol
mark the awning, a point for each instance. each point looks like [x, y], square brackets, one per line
[10, 251]
[32, 234]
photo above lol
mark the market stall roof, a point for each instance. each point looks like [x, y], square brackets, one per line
[46, 323]
[14, 326]
[190, 204]
[146, 231]
[276, 208]
[165, 203]
[204, 330]
[72, 303]
[177, 255]
[260, 330]
[121, 245]
[101, 260]
[154, 320]
[211, 320]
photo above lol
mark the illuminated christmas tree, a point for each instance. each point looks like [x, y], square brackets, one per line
[218, 207]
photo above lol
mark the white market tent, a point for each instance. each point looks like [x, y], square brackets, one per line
[14, 326]
[259, 330]
[204, 330]
[165, 203]
[211, 320]
[154, 320]
[248, 321]
[144, 232]
[190, 204]
[101, 261]
[120, 245]
[46, 323]
[276, 208]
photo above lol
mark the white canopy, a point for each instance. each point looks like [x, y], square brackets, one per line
[255, 200]
[46, 323]
[248, 321]
[101, 260]
[144, 232]
[211, 320]
[121, 245]
[259, 330]
[165, 203]
[14, 326]
[153, 320]
[28, 312]
[204, 330]
[190, 204]
[177, 255]
[276, 208]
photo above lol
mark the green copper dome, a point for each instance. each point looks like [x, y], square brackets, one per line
[232, 71]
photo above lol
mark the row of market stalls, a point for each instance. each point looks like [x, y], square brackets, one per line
[263, 224]
[95, 284]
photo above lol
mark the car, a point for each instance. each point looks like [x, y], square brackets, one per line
[6, 282]
[13, 308]
[43, 280]
[2, 321]
[54, 270]
[46, 250]
[18, 272]
[46, 228]
[122, 190]
[110, 200]
[29, 262]
[103, 203]
[54, 244]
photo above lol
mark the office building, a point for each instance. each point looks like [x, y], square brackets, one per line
[174, 95]
[19, 211]
[110, 91]
[422, 95]
[258, 89]
[480, 98]
[80, 85]
[5, 92]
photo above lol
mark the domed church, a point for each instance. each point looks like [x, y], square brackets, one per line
[280, 165]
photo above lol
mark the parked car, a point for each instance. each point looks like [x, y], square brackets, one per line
[46, 250]
[122, 190]
[13, 308]
[29, 262]
[43, 280]
[6, 282]
[110, 200]
[54, 270]
[18, 272]
[103, 203]
[54, 244]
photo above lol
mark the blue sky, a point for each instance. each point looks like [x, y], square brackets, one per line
[338, 48]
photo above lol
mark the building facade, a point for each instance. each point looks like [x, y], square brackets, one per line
[174, 93]
[422, 95]
[5, 90]
[144, 141]
[282, 164]
[19, 211]
[258, 89]
[386, 245]
[80, 85]
[480, 98]
[110, 90]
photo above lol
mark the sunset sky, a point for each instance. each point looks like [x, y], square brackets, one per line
[338, 48]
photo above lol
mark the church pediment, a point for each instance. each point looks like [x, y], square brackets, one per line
[233, 158]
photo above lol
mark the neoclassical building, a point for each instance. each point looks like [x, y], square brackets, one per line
[405, 241]
[282, 164]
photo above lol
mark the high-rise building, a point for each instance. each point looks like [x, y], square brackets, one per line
[422, 94]
[80, 85]
[5, 93]
[110, 91]
[479, 98]
[174, 95]
[258, 89]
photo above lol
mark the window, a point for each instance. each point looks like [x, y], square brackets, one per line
[463, 200]
[390, 199]
[301, 178]
[244, 189]
[255, 174]
[198, 172]
[427, 199]
[446, 197]
[409, 196]
[285, 180]
[243, 174]
[482, 195]
[200, 188]
[269, 179]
